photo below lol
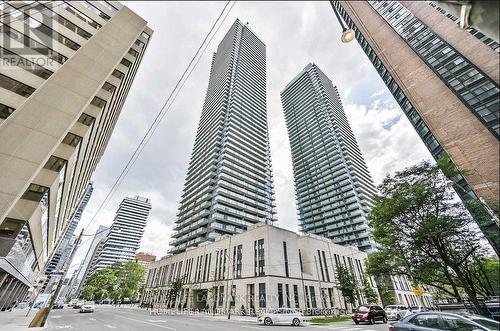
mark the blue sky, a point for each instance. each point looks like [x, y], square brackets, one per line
[295, 33]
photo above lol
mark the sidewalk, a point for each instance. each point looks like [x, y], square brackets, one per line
[16, 320]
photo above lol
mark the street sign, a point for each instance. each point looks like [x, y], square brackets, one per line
[418, 291]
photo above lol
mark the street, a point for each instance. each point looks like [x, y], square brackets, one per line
[128, 319]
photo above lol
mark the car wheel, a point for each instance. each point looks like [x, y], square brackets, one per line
[268, 321]
[372, 320]
[296, 322]
[384, 319]
[398, 317]
[356, 322]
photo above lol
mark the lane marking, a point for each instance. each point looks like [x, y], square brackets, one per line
[64, 327]
[250, 327]
[136, 320]
[158, 321]
[92, 319]
[56, 316]
[110, 326]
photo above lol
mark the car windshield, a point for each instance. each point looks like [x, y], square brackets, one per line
[363, 309]
[89, 302]
[391, 307]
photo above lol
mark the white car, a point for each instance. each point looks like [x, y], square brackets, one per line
[88, 307]
[395, 312]
[282, 316]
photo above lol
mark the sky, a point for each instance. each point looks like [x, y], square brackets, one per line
[295, 33]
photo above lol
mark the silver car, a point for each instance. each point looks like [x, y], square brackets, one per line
[433, 321]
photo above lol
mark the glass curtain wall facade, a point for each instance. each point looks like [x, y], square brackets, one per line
[229, 183]
[333, 186]
[474, 89]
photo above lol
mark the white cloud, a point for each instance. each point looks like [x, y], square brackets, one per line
[386, 138]
[378, 93]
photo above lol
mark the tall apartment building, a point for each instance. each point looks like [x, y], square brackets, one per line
[446, 81]
[124, 236]
[66, 69]
[229, 183]
[60, 258]
[333, 186]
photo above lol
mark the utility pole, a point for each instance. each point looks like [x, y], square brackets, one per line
[42, 314]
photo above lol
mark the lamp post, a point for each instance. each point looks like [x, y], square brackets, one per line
[348, 35]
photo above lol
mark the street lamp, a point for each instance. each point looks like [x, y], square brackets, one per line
[348, 35]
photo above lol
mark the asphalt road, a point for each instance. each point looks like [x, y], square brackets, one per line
[106, 318]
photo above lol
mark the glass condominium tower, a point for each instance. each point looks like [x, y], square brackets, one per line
[333, 186]
[445, 80]
[229, 183]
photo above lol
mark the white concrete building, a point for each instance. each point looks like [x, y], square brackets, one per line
[266, 267]
[65, 71]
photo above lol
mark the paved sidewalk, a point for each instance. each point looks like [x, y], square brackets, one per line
[16, 320]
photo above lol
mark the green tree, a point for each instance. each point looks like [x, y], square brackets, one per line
[130, 276]
[368, 291]
[347, 284]
[101, 284]
[424, 232]
[175, 288]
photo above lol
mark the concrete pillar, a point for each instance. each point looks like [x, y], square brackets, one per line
[7, 298]
[6, 292]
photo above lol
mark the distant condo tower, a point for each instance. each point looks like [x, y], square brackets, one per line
[124, 236]
[229, 183]
[333, 186]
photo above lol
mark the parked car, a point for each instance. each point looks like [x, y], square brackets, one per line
[282, 316]
[484, 321]
[88, 307]
[78, 305]
[432, 320]
[395, 312]
[58, 305]
[369, 314]
[126, 301]
[72, 302]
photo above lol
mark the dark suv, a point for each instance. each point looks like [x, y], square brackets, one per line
[369, 314]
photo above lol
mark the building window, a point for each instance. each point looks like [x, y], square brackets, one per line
[15, 86]
[287, 295]
[300, 262]
[11, 227]
[72, 139]
[221, 295]
[86, 119]
[54, 163]
[296, 296]
[262, 295]
[280, 295]
[126, 62]
[205, 268]
[306, 294]
[35, 192]
[285, 256]
[313, 296]
[133, 52]
[23, 63]
[5, 111]
[98, 102]
[109, 87]
[321, 266]
[259, 257]
[239, 260]
[118, 74]
[232, 303]
[326, 266]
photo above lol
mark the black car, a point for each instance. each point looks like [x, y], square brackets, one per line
[369, 314]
